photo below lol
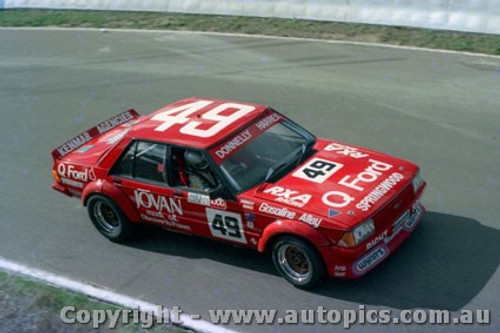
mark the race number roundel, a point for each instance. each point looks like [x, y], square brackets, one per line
[218, 115]
[317, 170]
[226, 225]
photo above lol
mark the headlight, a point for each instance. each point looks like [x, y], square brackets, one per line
[417, 182]
[358, 234]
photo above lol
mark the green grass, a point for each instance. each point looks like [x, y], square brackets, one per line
[47, 296]
[24, 298]
[448, 40]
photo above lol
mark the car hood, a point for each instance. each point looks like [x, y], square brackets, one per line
[340, 184]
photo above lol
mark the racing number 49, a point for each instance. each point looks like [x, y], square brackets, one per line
[218, 115]
[226, 225]
[316, 168]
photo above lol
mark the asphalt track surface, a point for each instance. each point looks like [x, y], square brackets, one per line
[439, 110]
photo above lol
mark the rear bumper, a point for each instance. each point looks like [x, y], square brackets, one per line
[354, 263]
[59, 188]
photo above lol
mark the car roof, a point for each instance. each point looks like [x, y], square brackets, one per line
[147, 128]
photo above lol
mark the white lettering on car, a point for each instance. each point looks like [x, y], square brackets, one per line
[199, 199]
[328, 200]
[70, 171]
[370, 260]
[345, 150]
[114, 122]
[83, 138]
[288, 196]
[169, 221]
[369, 175]
[311, 219]
[247, 204]
[234, 144]
[378, 192]
[376, 240]
[278, 211]
[219, 203]
[160, 203]
[74, 143]
[217, 115]
[267, 121]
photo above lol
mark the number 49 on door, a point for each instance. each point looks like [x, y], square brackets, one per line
[226, 225]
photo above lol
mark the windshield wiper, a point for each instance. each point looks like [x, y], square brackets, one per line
[272, 170]
[297, 156]
[300, 154]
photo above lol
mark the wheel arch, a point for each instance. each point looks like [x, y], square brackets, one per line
[92, 188]
[112, 192]
[293, 228]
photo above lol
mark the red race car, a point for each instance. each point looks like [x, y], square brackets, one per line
[244, 174]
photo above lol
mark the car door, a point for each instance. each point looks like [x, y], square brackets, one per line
[219, 218]
[141, 174]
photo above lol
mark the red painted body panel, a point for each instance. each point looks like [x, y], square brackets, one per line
[344, 262]
[91, 188]
[147, 129]
[360, 184]
[88, 137]
[348, 180]
[291, 227]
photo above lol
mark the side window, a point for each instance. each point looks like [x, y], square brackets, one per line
[144, 161]
[192, 170]
[150, 161]
[125, 165]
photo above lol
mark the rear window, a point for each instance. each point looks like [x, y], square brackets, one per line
[142, 160]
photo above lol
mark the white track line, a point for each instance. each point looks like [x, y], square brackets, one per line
[104, 295]
[225, 34]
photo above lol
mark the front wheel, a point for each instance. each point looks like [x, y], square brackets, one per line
[108, 218]
[298, 262]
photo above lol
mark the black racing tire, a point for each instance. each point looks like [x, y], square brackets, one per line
[298, 262]
[108, 218]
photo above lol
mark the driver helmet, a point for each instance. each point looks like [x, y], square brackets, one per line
[195, 159]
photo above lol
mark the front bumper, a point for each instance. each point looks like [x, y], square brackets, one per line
[356, 262]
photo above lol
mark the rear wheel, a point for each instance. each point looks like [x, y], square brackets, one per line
[298, 262]
[108, 218]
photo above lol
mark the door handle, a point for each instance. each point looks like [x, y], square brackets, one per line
[178, 194]
[117, 181]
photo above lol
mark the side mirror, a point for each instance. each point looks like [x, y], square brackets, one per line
[218, 192]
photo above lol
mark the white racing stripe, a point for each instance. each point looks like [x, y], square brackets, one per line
[226, 34]
[102, 294]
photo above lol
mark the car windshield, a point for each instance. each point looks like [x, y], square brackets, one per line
[267, 156]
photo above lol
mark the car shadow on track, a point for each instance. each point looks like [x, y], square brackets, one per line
[155, 239]
[444, 265]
